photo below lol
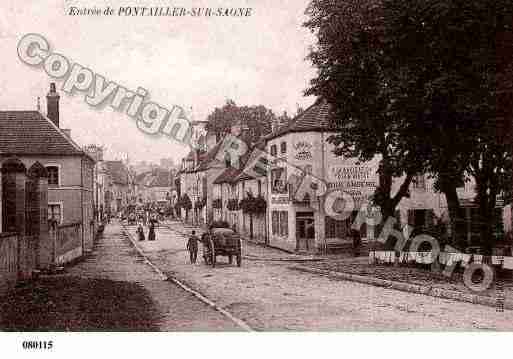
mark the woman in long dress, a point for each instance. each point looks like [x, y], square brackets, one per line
[151, 233]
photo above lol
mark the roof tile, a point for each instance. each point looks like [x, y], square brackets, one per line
[31, 133]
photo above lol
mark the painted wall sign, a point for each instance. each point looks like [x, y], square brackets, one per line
[359, 181]
[280, 199]
[303, 151]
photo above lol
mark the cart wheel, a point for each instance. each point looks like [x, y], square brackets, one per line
[230, 259]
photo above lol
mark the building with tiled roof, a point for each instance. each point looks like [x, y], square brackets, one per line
[296, 220]
[119, 190]
[34, 138]
[229, 176]
[235, 185]
[298, 209]
[117, 171]
[32, 133]
[201, 168]
[314, 118]
[157, 185]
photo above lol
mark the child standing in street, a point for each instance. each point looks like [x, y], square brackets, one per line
[192, 247]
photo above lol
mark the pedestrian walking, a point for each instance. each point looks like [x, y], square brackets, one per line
[140, 232]
[151, 233]
[192, 246]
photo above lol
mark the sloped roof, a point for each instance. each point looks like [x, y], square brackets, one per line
[206, 159]
[140, 178]
[155, 178]
[160, 178]
[32, 133]
[314, 118]
[232, 174]
[229, 175]
[251, 157]
[118, 172]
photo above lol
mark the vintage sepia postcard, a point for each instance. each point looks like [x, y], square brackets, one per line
[207, 166]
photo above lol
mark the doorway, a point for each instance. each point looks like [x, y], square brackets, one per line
[305, 231]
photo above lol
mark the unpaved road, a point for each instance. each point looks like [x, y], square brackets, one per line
[112, 290]
[270, 296]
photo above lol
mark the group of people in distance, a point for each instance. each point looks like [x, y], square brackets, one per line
[151, 231]
[192, 243]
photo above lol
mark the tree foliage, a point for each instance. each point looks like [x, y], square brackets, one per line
[416, 82]
[354, 77]
[257, 119]
[253, 205]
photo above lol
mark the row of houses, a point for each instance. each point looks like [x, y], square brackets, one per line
[118, 186]
[54, 193]
[223, 188]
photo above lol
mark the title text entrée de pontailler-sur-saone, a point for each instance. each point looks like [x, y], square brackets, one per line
[160, 11]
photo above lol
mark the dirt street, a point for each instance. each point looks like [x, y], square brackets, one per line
[270, 296]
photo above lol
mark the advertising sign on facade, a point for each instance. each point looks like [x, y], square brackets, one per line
[303, 151]
[359, 181]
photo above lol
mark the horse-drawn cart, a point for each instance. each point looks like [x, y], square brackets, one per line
[221, 242]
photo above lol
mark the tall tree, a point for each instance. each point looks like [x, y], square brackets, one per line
[450, 56]
[257, 119]
[355, 77]
[416, 82]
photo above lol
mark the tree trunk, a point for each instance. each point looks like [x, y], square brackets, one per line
[384, 199]
[457, 221]
[486, 201]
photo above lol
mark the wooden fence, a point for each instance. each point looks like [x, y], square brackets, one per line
[67, 243]
[8, 261]
[18, 259]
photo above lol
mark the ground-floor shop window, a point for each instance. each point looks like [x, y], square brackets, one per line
[280, 223]
[335, 228]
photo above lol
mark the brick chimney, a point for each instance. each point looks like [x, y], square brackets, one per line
[52, 105]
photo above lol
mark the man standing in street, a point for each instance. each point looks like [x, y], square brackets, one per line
[192, 247]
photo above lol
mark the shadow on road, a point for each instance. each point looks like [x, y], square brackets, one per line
[67, 303]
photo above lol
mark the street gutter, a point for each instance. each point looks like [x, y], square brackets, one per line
[243, 325]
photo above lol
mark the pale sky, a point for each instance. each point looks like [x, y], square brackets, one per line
[198, 62]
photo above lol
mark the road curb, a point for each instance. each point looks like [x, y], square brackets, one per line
[409, 287]
[188, 289]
